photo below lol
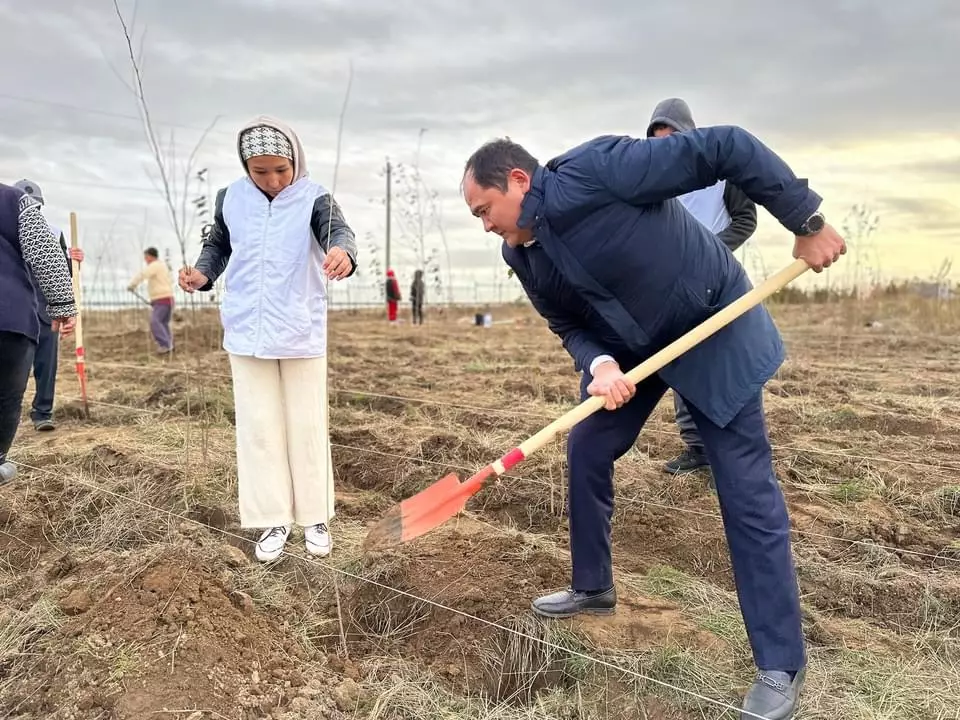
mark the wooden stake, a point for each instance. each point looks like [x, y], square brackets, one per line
[78, 332]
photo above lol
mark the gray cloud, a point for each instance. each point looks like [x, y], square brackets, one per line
[945, 169]
[548, 74]
[934, 217]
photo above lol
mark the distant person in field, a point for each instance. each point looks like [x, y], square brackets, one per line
[619, 269]
[727, 212]
[418, 291]
[160, 291]
[392, 289]
[46, 356]
[27, 250]
[279, 236]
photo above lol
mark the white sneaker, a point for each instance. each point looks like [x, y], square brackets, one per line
[8, 471]
[272, 542]
[317, 539]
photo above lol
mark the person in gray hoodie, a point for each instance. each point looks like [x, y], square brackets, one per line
[725, 210]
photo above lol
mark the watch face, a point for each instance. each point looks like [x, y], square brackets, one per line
[815, 223]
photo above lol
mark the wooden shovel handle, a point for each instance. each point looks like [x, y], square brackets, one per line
[671, 352]
[75, 279]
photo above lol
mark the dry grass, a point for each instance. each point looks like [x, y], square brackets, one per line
[122, 565]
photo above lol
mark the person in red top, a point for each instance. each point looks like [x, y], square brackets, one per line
[393, 296]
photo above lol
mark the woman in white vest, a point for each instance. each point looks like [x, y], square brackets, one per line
[278, 237]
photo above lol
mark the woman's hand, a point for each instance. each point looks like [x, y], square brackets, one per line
[64, 325]
[337, 264]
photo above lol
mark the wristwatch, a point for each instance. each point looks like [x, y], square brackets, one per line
[813, 224]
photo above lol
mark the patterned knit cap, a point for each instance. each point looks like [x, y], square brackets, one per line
[263, 140]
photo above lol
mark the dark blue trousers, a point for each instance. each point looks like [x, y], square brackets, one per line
[751, 503]
[16, 355]
[45, 373]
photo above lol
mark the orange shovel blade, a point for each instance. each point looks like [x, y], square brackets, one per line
[426, 510]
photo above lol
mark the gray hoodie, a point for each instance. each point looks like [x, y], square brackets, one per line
[675, 113]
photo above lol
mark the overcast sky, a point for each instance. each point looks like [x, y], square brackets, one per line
[859, 96]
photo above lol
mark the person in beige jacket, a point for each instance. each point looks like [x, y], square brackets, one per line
[160, 291]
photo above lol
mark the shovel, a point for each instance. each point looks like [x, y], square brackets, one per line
[447, 497]
[140, 297]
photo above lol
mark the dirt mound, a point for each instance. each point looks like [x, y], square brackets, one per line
[891, 599]
[481, 571]
[467, 566]
[104, 459]
[359, 469]
[172, 634]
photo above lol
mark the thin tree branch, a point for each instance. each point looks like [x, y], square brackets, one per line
[175, 197]
[188, 174]
[148, 127]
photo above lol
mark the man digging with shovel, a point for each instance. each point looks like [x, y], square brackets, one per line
[619, 270]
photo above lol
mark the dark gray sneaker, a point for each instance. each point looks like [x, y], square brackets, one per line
[773, 696]
[8, 471]
[567, 603]
[44, 425]
[689, 460]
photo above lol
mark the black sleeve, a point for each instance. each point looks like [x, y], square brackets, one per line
[331, 229]
[743, 217]
[216, 246]
[63, 245]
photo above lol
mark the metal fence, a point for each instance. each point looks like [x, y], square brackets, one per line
[113, 297]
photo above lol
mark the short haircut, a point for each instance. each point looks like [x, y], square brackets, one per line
[492, 162]
[152, 252]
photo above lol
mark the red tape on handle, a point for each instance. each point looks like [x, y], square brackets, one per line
[512, 458]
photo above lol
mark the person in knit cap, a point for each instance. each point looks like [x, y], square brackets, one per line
[726, 211]
[48, 341]
[29, 253]
[278, 237]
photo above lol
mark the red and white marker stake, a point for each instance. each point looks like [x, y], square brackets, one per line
[78, 331]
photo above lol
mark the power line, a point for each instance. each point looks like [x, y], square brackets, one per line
[104, 113]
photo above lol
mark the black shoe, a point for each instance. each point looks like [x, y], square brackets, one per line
[45, 425]
[689, 460]
[8, 471]
[773, 695]
[567, 603]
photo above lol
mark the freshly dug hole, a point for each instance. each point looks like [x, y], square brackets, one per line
[379, 613]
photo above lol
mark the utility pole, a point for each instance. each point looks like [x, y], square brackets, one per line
[387, 266]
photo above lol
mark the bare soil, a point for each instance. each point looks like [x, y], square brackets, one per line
[128, 589]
